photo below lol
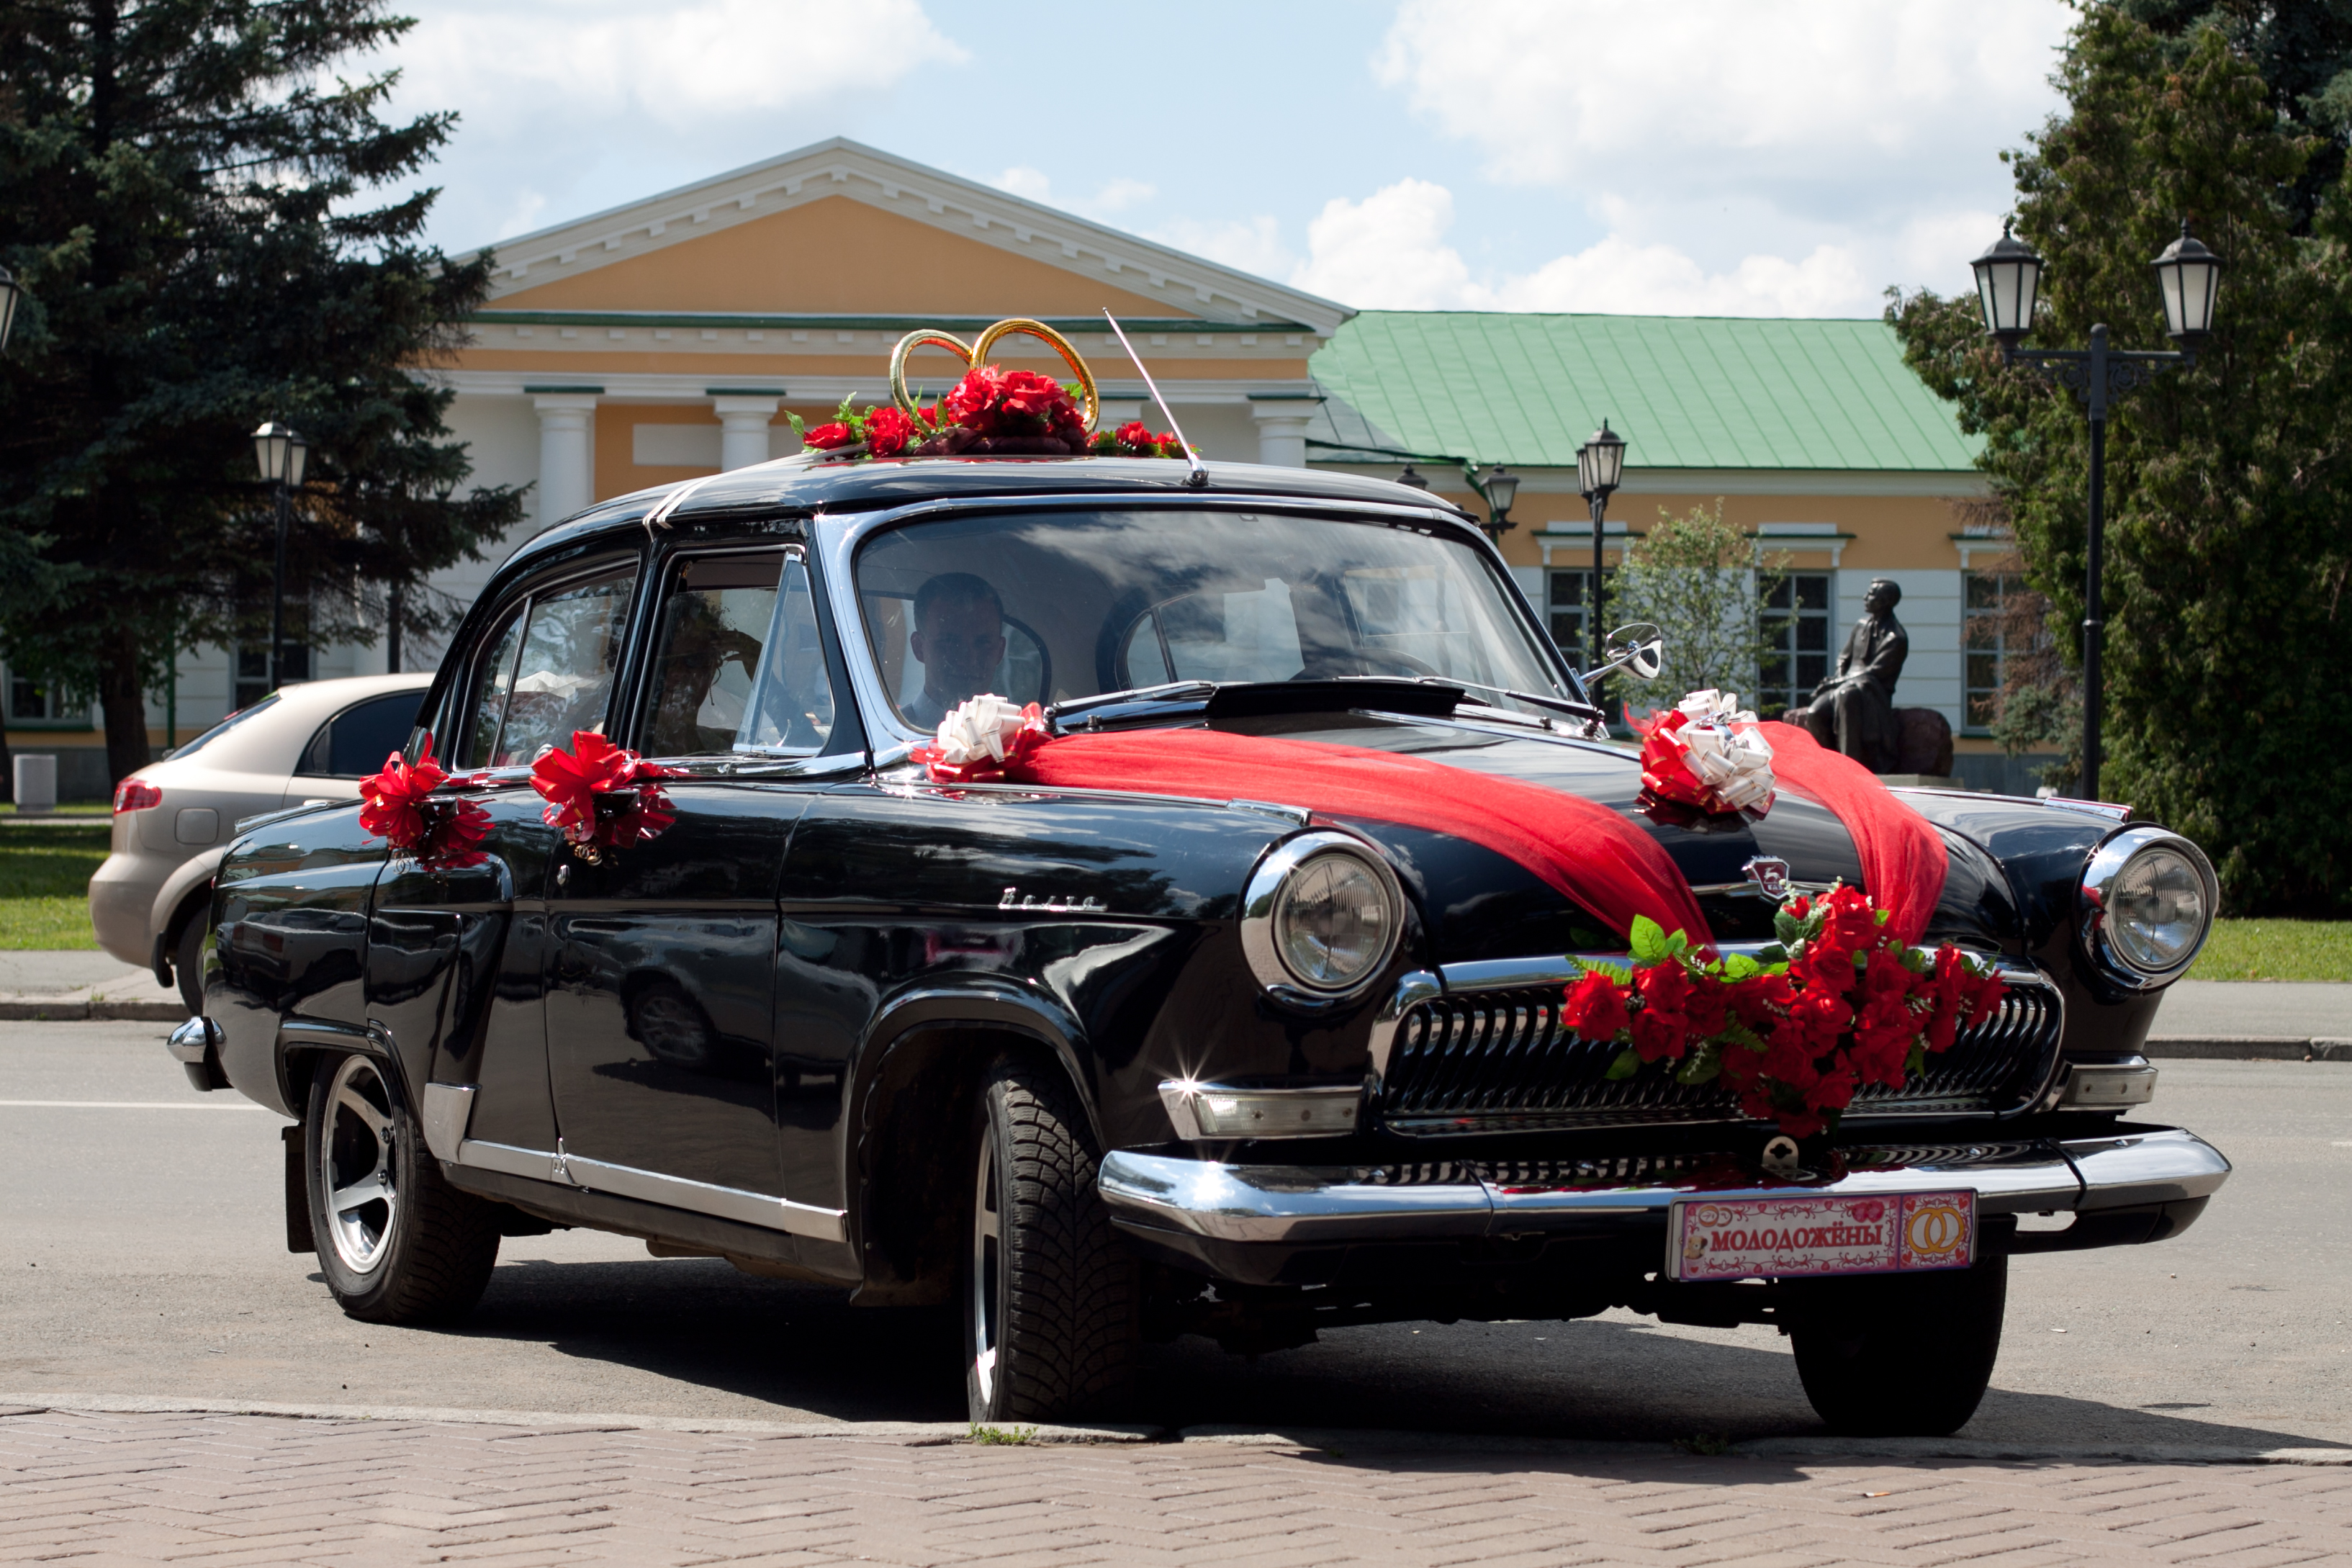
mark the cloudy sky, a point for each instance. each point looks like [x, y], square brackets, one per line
[1689, 157]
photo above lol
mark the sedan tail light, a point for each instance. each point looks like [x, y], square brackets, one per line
[136, 794]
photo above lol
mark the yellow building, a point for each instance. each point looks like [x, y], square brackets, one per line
[670, 338]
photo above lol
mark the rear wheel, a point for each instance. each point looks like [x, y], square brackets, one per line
[1902, 1354]
[1051, 1298]
[397, 1242]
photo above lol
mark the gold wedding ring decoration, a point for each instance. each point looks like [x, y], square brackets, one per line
[976, 354]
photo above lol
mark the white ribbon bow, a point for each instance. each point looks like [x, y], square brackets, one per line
[1735, 763]
[979, 727]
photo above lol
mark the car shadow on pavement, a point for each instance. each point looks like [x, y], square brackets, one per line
[804, 1348]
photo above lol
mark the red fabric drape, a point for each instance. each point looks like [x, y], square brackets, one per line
[1594, 854]
[1904, 860]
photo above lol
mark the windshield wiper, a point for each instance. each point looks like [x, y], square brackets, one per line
[1168, 693]
[1557, 704]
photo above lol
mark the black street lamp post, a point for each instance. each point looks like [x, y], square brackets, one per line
[281, 455]
[2008, 275]
[12, 294]
[1599, 465]
[1501, 487]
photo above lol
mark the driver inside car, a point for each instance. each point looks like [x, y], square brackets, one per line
[958, 639]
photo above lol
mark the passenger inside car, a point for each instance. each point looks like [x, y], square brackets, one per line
[958, 639]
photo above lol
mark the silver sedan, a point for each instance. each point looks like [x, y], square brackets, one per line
[175, 819]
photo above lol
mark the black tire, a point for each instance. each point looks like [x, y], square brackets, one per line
[188, 960]
[419, 1251]
[1902, 1355]
[1051, 1299]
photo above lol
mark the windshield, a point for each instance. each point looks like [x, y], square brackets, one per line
[1045, 608]
[224, 726]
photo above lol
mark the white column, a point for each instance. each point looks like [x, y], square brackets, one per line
[744, 425]
[1282, 429]
[567, 462]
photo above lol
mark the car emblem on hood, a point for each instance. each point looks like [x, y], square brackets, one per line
[1770, 874]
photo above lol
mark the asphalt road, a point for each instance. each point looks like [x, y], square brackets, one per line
[143, 1253]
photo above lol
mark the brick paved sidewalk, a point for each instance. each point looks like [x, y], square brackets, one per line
[225, 1490]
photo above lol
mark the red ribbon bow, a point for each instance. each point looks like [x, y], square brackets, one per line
[601, 796]
[394, 805]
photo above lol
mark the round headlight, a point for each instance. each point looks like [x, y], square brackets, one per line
[2148, 898]
[2157, 910]
[1320, 917]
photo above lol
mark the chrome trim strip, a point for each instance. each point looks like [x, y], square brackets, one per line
[1411, 990]
[652, 1186]
[447, 1107]
[1750, 889]
[1300, 1203]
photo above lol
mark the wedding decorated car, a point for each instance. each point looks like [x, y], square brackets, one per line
[989, 860]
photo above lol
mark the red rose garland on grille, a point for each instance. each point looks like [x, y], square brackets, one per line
[395, 807]
[1838, 1004]
[601, 795]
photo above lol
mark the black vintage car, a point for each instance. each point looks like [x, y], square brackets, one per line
[1095, 1066]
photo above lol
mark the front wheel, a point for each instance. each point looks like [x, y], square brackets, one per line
[397, 1243]
[1901, 1355]
[1052, 1304]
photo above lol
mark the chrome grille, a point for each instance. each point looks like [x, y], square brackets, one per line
[1498, 1060]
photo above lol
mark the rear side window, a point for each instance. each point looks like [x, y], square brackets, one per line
[355, 742]
[549, 672]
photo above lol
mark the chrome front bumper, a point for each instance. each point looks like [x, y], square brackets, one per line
[1299, 1205]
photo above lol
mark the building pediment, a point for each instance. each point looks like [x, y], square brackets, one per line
[839, 229]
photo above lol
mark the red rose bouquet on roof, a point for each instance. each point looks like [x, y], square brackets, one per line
[601, 795]
[396, 806]
[1837, 1003]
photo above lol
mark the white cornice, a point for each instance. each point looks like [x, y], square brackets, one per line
[803, 389]
[1932, 484]
[1188, 285]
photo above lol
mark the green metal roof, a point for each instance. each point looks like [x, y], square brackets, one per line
[1684, 392]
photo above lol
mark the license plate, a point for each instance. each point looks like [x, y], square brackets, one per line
[1809, 1234]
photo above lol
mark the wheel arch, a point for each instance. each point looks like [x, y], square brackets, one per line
[913, 1089]
[302, 1042]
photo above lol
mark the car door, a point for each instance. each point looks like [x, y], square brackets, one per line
[661, 990]
[457, 953]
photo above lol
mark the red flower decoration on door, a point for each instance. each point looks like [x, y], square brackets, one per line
[601, 796]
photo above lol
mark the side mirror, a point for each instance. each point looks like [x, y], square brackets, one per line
[1639, 649]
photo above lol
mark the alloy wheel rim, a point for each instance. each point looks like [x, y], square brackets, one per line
[987, 1264]
[356, 1166]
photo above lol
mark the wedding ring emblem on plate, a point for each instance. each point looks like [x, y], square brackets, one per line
[976, 354]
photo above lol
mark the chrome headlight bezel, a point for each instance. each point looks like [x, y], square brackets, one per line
[2107, 867]
[1260, 899]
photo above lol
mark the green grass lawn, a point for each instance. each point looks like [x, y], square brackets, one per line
[45, 884]
[70, 808]
[2276, 950]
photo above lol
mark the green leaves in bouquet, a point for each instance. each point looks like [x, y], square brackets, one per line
[1652, 944]
[1628, 1063]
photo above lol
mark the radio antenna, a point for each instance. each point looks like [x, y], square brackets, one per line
[1198, 477]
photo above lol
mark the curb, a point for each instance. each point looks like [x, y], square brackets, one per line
[68, 1007]
[2249, 1049]
[1335, 1442]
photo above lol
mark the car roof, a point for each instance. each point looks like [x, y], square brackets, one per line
[272, 742]
[793, 484]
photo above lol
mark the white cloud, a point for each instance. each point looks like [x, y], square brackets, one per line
[1389, 251]
[513, 62]
[1116, 195]
[1253, 244]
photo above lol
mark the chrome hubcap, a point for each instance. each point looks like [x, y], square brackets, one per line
[987, 1261]
[355, 1165]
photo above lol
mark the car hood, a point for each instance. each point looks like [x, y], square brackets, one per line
[1475, 903]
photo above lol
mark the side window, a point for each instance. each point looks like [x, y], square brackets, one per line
[550, 671]
[738, 664]
[354, 742]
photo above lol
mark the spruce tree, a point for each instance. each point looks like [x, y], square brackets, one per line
[2228, 489]
[184, 192]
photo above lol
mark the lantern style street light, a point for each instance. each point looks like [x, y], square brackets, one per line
[1600, 465]
[1413, 478]
[12, 293]
[280, 453]
[1501, 487]
[2008, 277]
